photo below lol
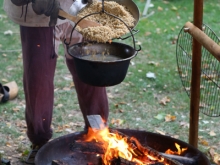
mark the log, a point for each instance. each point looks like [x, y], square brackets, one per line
[92, 147]
[182, 159]
[97, 147]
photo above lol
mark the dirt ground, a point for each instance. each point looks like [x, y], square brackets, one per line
[12, 155]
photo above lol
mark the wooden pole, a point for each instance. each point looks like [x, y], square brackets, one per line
[195, 79]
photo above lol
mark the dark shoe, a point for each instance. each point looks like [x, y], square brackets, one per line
[31, 156]
[8, 91]
[4, 93]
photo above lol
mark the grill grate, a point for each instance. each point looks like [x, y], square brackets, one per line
[210, 71]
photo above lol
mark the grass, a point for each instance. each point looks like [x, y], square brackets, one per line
[135, 103]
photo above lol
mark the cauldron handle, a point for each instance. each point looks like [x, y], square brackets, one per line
[135, 32]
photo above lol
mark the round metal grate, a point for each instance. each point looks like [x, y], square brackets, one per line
[210, 71]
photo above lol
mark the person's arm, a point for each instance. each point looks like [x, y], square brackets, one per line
[51, 7]
[47, 7]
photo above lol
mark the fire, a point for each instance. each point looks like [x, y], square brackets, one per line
[178, 152]
[114, 144]
[117, 146]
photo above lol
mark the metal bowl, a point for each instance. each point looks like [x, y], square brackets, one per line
[129, 4]
[132, 7]
[102, 64]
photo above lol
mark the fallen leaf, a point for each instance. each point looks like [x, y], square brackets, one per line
[205, 121]
[56, 89]
[8, 32]
[110, 95]
[132, 63]
[16, 109]
[121, 110]
[59, 105]
[8, 144]
[150, 75]
[203, 142]
[184, 124]
[138, 43]
[147, 34]
[70, 115]
[66, 89]
[69, 130]
[8, 124]
[160, 116]
[174, 8]
[164, 100]
[161, 132]
[169, 118]
[159, 8]
[4, 80]
[165, 2]
[153, 63]
[59, 129]
[176, 136]
[158, 30]
[72, 85]
[68, 77]
[117, 122]
[212, 133]
[212, 152]
[20, 138]
[215, 156]
[21, 124]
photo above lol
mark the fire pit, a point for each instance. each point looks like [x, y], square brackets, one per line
[60, 149]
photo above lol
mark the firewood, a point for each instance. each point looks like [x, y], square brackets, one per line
[140, 152]
[182, 159]
[92, 147]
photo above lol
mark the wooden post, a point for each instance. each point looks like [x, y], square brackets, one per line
[196, 74]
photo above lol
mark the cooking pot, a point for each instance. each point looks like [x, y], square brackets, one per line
[102, 64]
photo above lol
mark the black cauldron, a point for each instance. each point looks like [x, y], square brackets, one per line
[102, 64]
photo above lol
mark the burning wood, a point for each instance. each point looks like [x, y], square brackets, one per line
[117, 147]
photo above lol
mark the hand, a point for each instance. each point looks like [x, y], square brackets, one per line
[47, 7]
[20, 2]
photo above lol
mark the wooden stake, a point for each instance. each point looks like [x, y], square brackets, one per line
[195, 80]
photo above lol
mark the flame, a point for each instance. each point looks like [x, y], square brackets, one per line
[178, 152]
[116, 145]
